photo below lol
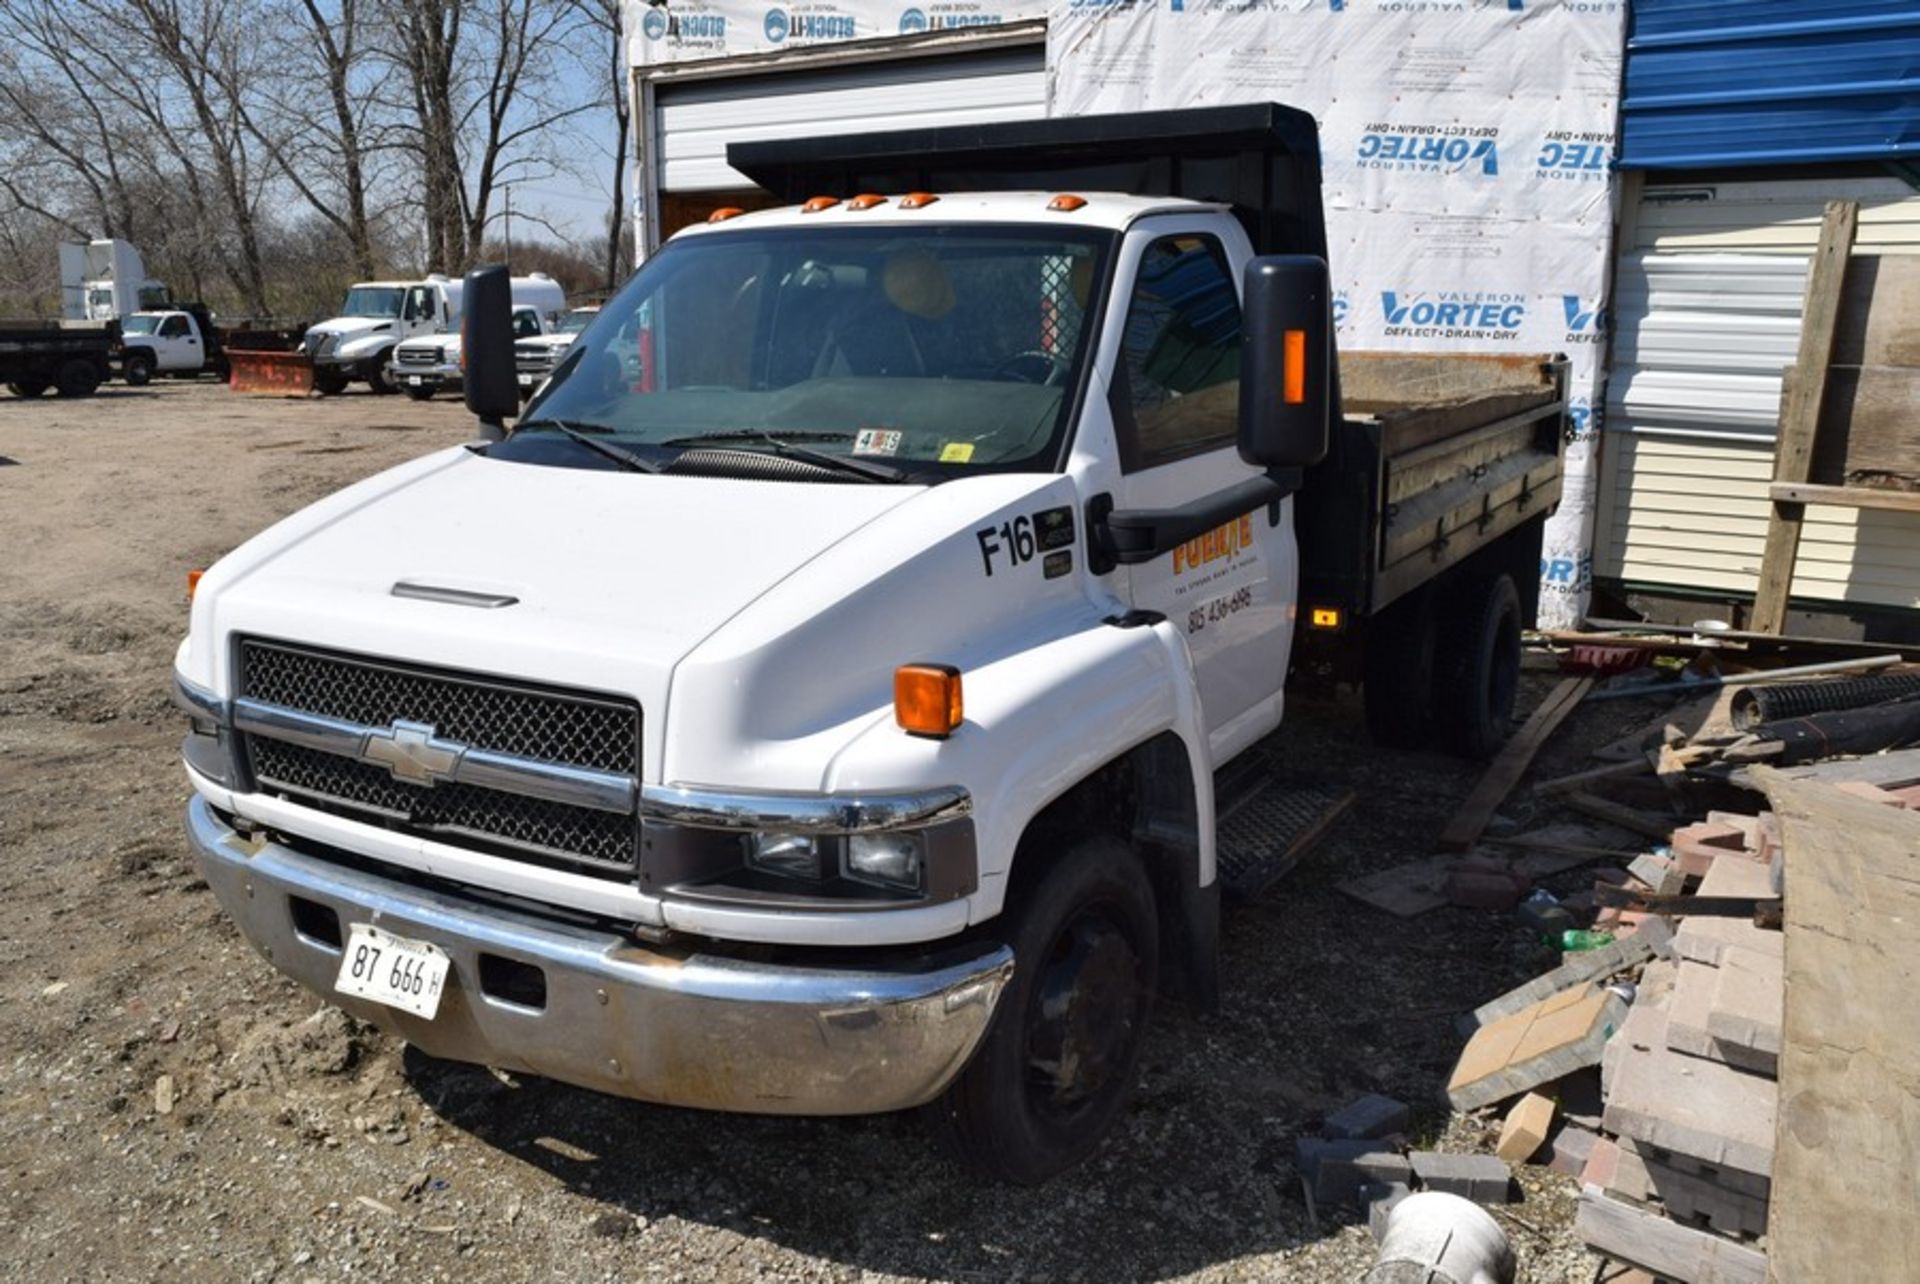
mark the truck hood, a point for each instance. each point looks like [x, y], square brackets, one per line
[351, 327]
[614, 577]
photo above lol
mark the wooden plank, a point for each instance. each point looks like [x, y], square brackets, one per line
[1666, 1248]
[1800, 402]
[1510, 764]
[1628, 818]
[1896, 501]
[1849, 1121]
[1868, 433]
[1879, 313]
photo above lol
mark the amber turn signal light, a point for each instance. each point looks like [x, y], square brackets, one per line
[1325, 617]
[193, 583]
[866, 201]
[819, 203]
[724, 213]
[1293, 388]
[926, 699]
[917, 200]
[1066, 203]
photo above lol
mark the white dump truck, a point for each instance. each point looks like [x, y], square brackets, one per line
[358, 344]
[833, 695]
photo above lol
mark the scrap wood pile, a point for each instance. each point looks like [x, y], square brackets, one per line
[1648, 1064]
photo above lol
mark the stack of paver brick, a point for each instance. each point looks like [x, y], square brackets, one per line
[1673, 1145]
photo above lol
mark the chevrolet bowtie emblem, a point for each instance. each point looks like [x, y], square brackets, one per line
[410, 752]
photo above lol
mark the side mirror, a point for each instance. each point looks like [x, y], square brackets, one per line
[1286, 367]
[486, 346]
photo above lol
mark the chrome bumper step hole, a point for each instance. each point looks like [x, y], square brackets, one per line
[318, 923]
[510, 981]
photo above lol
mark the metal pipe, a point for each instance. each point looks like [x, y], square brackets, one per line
[1694, 687]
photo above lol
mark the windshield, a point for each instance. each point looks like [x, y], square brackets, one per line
[373, 301]
[137, 324]
[577, 320]
[934, 350]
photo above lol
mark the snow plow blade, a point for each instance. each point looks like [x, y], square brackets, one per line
[272, 374]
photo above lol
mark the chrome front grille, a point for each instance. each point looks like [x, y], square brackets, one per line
[419, 356]
[532, 358]
[354, 701]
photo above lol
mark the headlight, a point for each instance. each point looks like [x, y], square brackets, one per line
[889, 859]
[791, 855]
[207, 746]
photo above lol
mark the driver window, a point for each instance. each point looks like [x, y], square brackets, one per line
[1178, 387]
[173, 328]
[419, 303]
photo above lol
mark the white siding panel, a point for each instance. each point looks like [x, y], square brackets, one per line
[698, 119]
[1707, 321]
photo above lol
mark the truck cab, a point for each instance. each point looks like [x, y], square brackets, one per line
[819, 702]
[174, 341]
[428, 364]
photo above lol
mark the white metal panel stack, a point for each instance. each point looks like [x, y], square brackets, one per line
[1707, 319]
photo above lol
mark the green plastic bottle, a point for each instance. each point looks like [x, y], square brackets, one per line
[1574, 940]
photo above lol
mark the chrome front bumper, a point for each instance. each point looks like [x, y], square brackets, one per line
[680, 1029]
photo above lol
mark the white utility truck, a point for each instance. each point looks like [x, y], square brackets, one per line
[431, 363]
[827, 699]
[106, 280]
[377, 315]
[535, 356]
[175, 341]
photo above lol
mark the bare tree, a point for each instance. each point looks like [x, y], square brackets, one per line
[605, 17]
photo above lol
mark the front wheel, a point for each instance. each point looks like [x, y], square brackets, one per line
[329, 381]
[377, 377]
[419, 392]
[138, 369]
[1059, 1062]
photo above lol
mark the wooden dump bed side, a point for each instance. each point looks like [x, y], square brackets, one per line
[1437, 456]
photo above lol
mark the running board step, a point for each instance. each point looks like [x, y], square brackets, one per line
[1265, 830]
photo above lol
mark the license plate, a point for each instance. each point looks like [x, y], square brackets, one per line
[389, 969]
[414, 380]
[526, 380]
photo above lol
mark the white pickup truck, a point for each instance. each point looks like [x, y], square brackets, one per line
[826, 699]
[431, 363]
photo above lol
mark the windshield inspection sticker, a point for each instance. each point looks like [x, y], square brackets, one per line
[877, 441]
[956, 452]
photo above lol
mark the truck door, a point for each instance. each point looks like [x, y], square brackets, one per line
[420, 315]
[176, 344]
[1175, 392]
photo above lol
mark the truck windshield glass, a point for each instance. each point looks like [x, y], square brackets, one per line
[137, 324]
[576, 321]
[373, 301]
[940, 350]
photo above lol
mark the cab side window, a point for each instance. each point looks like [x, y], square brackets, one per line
[1178, 387]
[173, 328]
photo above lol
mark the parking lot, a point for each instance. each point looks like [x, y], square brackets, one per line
[170, 1104]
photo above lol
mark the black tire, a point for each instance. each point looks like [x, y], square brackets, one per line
[1477, 667]
[329, 381]
[1396, 685]
[422, 393]
[137, 369]
[377, 377]
[1086, 930]
[28, 388]
[77, 378]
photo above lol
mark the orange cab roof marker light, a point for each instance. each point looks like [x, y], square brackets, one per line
[193, 583]
[724, 213]
[1293, 386]
[819, 203]
[1066, 203]
[866, 201]
[926, 700]
[917, 200]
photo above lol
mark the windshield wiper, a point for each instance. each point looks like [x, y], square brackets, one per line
[860, 468]
[581, 433]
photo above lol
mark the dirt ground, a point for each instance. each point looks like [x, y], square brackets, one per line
[170, 1107]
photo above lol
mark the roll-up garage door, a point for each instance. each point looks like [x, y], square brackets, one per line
[697, 119]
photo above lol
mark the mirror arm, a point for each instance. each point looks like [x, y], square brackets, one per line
[1132, 536]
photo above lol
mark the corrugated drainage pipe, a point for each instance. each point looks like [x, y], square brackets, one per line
[1755, 705]
[1433, 1238]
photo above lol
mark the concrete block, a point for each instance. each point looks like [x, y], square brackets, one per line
[1335, 1170]
[1746, 1013]
[1691, 1197]
[1667, 1249]
[1381, 1198]
[1695, 846]
[1569, 1149]
[1658, 934]
[1645, 1027]
[1733, 875]
[1661, 875]
[1481, 1178]
[1618, 1173]
[1534, 1046]
[1574, 970]
[1704, 937]
[1733, 1179]
[1525, 1129]
[1712, 1112]
[1370, 1116]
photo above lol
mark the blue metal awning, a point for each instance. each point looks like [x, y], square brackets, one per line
[1744, 82]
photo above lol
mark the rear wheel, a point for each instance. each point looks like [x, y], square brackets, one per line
[329, 381]
[1477, 666]
[27, 387]
[138, 369]
[77, 378]
[1397, 684]
[1059, 1062]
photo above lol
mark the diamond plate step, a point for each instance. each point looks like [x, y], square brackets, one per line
[1265, 830]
